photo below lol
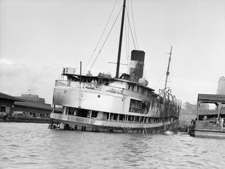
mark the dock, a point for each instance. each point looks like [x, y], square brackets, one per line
[209, 122]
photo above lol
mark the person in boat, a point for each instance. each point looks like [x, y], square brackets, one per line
[205, 118]
[193, 122]
[221, 122]
[217, 121]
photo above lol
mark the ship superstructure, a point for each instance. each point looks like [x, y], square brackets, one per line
[112, 104]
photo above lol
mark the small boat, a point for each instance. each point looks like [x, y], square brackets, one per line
[123, 103]
[209, 123]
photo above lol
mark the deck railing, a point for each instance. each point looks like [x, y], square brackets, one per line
[95, 86]
[92, 86]
[97, 122]
[207, 125]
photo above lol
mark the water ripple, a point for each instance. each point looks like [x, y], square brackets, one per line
[25, 145]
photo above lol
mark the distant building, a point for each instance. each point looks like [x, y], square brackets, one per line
[31, 97]
[6, 104]
[221, 86]
[32, 106]
[26, 106]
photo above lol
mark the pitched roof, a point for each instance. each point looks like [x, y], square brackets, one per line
[25, 103]
[211, 98]
[34, 105]
[7, 97]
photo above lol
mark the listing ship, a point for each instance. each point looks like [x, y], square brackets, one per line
[104, 103]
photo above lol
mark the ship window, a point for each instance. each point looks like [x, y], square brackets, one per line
[146, 120]
[136, 118]
[82, 113]
[122, 117]
[140, 90]
[71, 110]
[94, 114]
[144, 91]
[58, 109]
[115, 117]
[130, 118]
[138, 106]
[128, 86]
[135, 88]
[132, 87]
[65, 110]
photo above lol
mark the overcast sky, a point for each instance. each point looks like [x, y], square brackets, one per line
[40, 37]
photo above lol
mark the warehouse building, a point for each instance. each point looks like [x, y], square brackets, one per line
[25, 107]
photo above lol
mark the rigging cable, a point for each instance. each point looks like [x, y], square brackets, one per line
[134, 38]
[101, 35]
[127, 40]
[127, 43]
[131, 31]
[105, 41]
[132, 14]
[163, 74]
[135, 34]
[159, 80]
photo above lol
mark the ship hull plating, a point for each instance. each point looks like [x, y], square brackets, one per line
[111, 105]
[75, 123]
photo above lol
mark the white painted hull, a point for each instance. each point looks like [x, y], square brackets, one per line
[109, 108]
[70, 122]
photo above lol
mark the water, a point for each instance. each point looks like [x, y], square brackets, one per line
[27, 145]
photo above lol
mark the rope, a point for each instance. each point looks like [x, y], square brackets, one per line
[105, 41]
[132, 14]
[159, 80]
[134, 36]
[101, 35]
[127, 43]
[131, 31]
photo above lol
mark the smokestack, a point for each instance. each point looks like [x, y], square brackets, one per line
[137, 65]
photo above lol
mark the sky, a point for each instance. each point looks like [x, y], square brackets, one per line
[38, 38]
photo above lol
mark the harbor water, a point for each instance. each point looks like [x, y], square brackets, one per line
[30, 145]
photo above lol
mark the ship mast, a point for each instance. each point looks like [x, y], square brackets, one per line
[168, 68]
[120, 40]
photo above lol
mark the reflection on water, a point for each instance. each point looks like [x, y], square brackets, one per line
[24, 145]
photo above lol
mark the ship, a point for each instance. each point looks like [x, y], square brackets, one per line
[123, 104]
